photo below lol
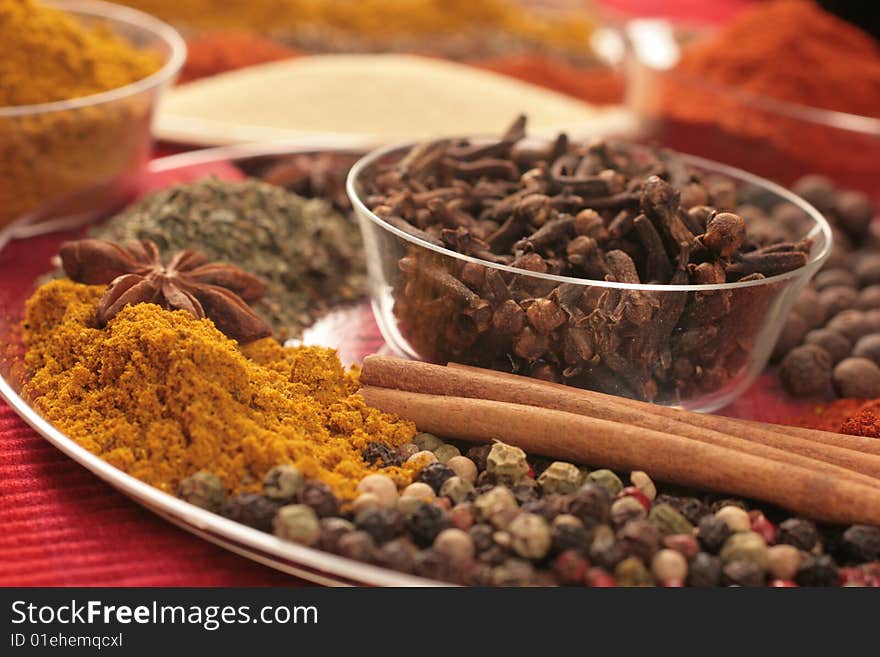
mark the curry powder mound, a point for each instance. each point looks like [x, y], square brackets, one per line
[161, 395]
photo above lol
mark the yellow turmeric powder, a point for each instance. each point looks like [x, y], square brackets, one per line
[162, 395]
[49, 56]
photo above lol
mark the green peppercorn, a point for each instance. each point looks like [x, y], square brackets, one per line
[632, 572]
[745, 546]
[445, 452]
[531, 536]
[427, 442]
[506, 463]
[607, 480]
[669, 521]
[282, 483]
[488, 503]
[560, 477]
[203, 489]
[298, 523]
[456, 489]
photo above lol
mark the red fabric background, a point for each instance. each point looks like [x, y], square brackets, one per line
[61, 526]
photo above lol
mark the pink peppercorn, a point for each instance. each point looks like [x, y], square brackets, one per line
[783, 584]
[762, 526]
[570, 567]
[598, 578]
[632, 491]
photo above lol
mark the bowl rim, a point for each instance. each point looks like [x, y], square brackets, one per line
[860, 123]
[820, 227]
[119, 14]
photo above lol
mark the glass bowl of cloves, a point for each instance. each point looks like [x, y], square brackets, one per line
[601, 264]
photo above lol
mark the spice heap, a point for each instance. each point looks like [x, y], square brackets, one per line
[496, 517]
[162, 395]
[380, 21]
[217, 52]
[597, 211]
[831, 340]
[49, 56]
[794, 51]
[723, 98]
[308, 253]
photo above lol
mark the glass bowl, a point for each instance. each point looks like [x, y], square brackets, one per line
[772, 138]
[437, 305]
[67, 159]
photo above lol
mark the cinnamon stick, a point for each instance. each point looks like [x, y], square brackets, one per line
[718, 422]
[487, 384]
[625, 447]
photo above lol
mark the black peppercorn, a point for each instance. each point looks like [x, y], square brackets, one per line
[539, 464]
[640, 538]
[357, 545]
[743, 573]
[318, 495]
[704, 570]
[605, 551]
[494, 556]
[862, 542]
[479, 455]
[481, 534]
[569, 536]
[332, 529]
[435, 475]
[251, 509]
[425, 523]
[591, 504]
[799, 532]
[377, 453]
[433, 565]
[398, 554]
[382, 524]
[817, 570]
[713, 532]
[538, 507]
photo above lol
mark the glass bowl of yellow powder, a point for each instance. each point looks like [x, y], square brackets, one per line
[79, 81]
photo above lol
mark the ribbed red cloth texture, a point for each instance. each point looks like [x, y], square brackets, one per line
[61, 526]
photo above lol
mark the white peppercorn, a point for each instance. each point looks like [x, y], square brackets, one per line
[463, 467]
[366, 501]
[382, 486]
[669, 567]
[419, 490]
[530, 534]
[643, 482]
[736, 519]
[456, 544]
[493, 500]
[282, 483]
[422, 458]
[783, 561]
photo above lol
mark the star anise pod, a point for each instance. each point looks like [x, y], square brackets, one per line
[136, 274]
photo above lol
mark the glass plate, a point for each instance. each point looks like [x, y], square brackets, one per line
[351, 329]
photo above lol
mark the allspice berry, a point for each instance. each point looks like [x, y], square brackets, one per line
[806, 370]
[869, 298]
[817, 190]
[810, 308]
[854, 211]
[851, 323]
[836, 344]
[837, 299]
[857, 378]
[868, 346]
[835, 276]
[868, 270]
[792, 334]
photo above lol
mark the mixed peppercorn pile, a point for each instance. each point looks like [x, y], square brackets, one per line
[495, 517]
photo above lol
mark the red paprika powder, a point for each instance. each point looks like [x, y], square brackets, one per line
[217, 52]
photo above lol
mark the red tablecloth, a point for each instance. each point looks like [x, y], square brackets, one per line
[60, 525]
